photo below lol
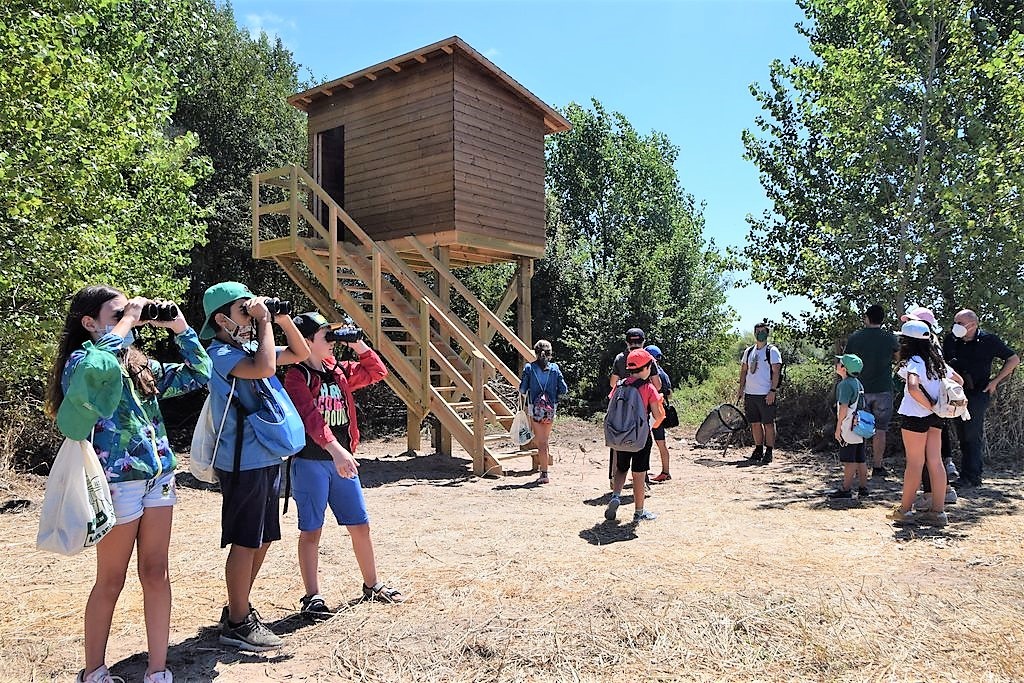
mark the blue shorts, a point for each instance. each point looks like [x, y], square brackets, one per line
[316, 484]
[250, 515]
[880, 405]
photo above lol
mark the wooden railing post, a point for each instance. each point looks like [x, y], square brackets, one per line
[332, 249]
[293, 204]
[479, 424]
[424, 335]
[375, 286]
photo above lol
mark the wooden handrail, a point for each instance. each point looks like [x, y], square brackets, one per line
[483, 311]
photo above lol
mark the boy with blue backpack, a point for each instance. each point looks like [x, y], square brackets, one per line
[849, 394]
[634, 407]
[258, 428]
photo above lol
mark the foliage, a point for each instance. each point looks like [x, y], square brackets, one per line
[625, 248]
[239, 111]
[894, 160]
[93, 186]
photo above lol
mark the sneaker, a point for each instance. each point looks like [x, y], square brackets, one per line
[767, 456]
[757, 454]
[923, 502]
[879, 472]
[252, 635]
[543, 478]
[841, 493]
[159, 677]
[224, 613]
[901, 516]
[644, 516]
[934, 518]
[100, 675]
[314, 607]
[863, 492]
[951, 471]
[664, 476]
[613, 506]
[951, 496]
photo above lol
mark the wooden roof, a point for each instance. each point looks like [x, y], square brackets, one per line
[553, 121]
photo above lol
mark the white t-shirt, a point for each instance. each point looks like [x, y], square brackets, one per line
[909, 405]
[759, 372]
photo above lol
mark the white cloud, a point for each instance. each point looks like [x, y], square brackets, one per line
[491, 53]
[269, 23]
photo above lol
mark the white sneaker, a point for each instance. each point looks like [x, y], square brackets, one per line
[923, 502]
[159, 677]
[951, 496]
[951, 471]
[100, 675]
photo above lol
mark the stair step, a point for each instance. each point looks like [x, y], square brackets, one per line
[357, 289]
[496, 437]
[518, 454]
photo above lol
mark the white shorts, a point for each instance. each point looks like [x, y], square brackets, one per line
[130, 498]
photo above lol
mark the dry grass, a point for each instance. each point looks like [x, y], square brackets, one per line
[746, 575]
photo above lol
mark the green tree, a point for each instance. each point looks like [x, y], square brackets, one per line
[94, 187]
[625, 248]
[232, 93]
[894, 159]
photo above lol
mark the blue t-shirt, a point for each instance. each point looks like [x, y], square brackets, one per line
[536, 381]
[254, 454]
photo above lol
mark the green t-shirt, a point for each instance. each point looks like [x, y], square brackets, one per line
[848, 391]
[875, 347]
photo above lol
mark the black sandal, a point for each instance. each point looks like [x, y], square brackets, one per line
[382, 593]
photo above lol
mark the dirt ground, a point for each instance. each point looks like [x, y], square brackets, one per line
[748, 574]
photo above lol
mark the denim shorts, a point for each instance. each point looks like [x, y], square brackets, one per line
[880, 405]
[250, 513]
[317, 484]
[131, 498]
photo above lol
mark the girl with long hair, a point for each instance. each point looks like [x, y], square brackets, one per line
[131, 444]
[922, 368]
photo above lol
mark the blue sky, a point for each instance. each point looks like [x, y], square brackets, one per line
[683, 68]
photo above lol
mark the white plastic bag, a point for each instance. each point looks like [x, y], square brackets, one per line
[521, 431]
[77, 509]
[205, 439]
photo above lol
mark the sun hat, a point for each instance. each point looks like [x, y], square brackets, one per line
[922, 314]
[851, 362]
[915, 329]
[310, 323]
[94, 392]
[638, 358]
[217, 296]
[654, 351]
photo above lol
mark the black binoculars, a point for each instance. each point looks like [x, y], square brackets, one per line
[159, 312]
[345, 334]
[275, 307]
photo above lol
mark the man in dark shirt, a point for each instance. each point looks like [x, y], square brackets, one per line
[877, 348]
[970, 351]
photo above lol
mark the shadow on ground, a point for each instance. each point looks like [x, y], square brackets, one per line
[608, 532]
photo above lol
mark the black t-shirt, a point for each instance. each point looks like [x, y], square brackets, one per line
[973, 359]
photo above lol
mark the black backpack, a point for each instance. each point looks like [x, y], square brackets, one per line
[767, 360]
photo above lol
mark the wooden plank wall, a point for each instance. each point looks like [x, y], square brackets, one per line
[399, 149]
[499, 159]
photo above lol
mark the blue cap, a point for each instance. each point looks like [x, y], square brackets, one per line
[654, 351]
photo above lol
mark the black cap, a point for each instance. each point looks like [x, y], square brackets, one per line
[310, 323]
[635, 333]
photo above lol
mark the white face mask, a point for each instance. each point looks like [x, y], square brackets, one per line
[242, 335]
[959, 331]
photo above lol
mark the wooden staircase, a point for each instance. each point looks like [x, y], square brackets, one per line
[438, 364]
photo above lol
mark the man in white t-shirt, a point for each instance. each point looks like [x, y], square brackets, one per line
[760, 372]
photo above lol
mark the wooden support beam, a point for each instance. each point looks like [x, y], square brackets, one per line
[370, 77]
[348, 84]
[394, 67]
[511, 292]
[524, 308]
[479, 426]
[420, 58]
[447, 49]
[412, 428]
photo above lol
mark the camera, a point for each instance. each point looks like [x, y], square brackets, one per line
[275, 307]
[345, 334]
[159, 312]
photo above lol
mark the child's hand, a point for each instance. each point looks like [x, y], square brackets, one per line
[345, 464]
[133, 311]
[257, 309]
[839, 434]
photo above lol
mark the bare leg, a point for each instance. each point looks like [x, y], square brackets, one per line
[362, 546]
[914, 445]
[757, 431]
[154, 541]
[769, 434]
[663, 450]
[638, 489]
[112, 556]
[936, 469]
[849, 468]
[878, 448]
[309, 560]
[240, 570]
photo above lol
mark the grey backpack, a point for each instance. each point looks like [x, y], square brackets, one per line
[626, 427]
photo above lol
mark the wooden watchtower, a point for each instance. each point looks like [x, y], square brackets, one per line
[430, 161]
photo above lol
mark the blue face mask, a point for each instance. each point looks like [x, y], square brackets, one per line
[129, 338]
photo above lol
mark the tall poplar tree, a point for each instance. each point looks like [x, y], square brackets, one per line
[894, 159]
